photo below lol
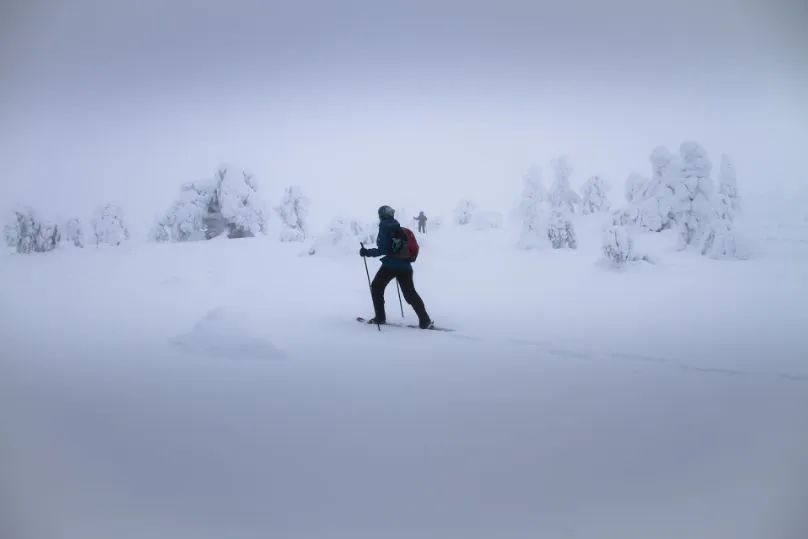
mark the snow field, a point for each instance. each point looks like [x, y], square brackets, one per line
[222, 388]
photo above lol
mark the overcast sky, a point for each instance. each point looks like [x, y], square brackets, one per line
[370, 102]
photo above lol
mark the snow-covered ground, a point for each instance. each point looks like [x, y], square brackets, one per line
[223, 389]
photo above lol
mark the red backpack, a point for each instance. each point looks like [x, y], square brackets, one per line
[405, 246]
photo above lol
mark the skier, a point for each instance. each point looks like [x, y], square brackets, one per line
[421, 222]
[392, 268]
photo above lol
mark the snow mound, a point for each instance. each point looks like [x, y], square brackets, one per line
[224, 334]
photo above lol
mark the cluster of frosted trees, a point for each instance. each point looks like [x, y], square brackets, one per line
[227, 205]
[27, 231]
[342, 237]
[682, 195]
[679, 195]
[546, 214]
[207, 208]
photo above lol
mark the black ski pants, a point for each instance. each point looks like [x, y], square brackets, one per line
[405, 281]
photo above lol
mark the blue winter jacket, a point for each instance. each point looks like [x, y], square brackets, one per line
[384, 243]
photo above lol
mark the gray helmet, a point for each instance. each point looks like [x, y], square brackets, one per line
[386, 212]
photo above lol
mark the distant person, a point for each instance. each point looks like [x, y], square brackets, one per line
[421, 222]
[394, 266]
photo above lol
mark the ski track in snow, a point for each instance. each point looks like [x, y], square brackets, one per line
[604, 355]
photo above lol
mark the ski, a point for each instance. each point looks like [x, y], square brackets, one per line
[402, 325]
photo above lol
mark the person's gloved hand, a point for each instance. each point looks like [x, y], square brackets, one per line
[363, 252]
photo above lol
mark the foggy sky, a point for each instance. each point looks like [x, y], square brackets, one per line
[372, 102]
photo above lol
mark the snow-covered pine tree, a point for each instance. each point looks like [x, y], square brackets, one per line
[293, 211]
[205, 209]
[618, 247]
[728, 184]
[657, 197]
[594, 195]
[366, 233]
[343, 237]
[663, 172]
[26, 232]
[73, 232]
[108, 225]
[721, 239]
[630, 214]
[560, 230]
[188, 217]
[627, 216]
[239, 205]
[561, 193]
[464, 212]
[19, 231]
[635, 186]
[693, 194]
[531, 209]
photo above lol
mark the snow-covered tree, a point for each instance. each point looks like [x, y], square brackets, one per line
[73, 232]
[635, 186]
[560, 231]
[343, 236]
[728, 184]
[293, 211]
[649, 200]
[531, 209]
[238, 204]
[721, 239]
[693, 194]
[187, 219]
[563, 199]
[654, 214]
[27, 232]
[464, 212]
[631, 214]
[225, 204]
[658, 195]
[594, 195]
[627, 216]
[18, 231]
[664, 166]
[561, 193]
[108, 225]
[618, 247]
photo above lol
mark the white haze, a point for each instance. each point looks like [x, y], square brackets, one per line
[363, 105]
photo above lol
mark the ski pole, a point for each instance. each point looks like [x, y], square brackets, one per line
[367, 271]
[401, 305]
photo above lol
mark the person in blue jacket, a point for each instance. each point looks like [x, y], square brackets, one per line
[392, 268]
